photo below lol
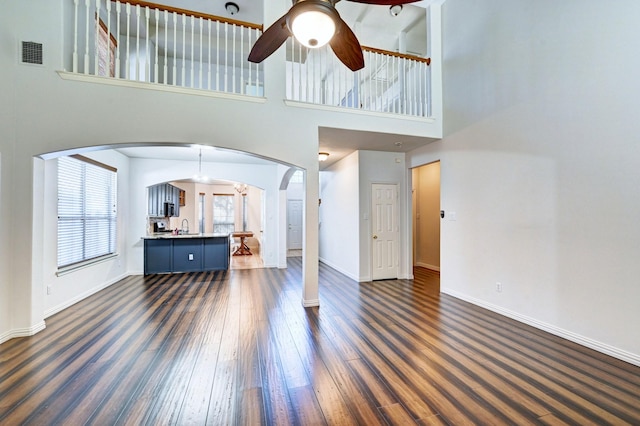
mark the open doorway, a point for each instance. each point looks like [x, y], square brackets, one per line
[426, 223]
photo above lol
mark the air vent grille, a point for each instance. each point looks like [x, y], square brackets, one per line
[31, 52]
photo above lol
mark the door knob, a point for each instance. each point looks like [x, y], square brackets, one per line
[375, 237]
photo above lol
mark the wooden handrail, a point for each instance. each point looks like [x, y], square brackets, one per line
[397, 55]
[191, 13]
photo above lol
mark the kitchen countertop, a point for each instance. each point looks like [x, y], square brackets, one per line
[167, 235]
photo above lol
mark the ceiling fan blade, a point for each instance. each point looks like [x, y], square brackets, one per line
[270, 40]
[347, 47]
[385, 2]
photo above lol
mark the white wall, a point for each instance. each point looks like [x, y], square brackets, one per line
[72, 287]
[540, 163]
[339, 216]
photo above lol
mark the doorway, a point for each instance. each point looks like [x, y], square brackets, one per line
[384, 221]
[426, 217]
[294, 224]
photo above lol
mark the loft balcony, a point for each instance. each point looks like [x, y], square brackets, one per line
[164, 46]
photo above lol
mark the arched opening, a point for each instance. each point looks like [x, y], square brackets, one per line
[143, 166]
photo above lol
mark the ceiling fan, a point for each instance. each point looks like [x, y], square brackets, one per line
[315, 23]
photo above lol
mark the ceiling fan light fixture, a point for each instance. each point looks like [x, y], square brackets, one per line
[312, 22]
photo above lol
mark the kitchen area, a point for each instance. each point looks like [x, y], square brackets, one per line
[200, 226]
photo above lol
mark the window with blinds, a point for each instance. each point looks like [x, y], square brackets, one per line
[223, 213]
[87, 214]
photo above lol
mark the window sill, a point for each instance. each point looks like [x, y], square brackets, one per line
[82, 265]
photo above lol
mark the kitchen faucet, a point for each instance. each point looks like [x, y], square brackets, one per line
[184, 230]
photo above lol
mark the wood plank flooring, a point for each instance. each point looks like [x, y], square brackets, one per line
[237, 347]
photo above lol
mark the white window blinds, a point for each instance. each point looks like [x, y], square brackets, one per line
[87, 213]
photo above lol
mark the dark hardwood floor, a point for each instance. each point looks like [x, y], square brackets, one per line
[237, 347]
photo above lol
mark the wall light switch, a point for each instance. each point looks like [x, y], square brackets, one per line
[190, 256]
[453, 216]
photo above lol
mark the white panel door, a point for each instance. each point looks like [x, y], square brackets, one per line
[294, 219]
[384, 233]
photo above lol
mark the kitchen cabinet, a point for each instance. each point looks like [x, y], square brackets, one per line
[186, 253]
[158, 256]
[160, 194]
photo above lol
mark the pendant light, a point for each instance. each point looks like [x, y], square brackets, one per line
[200, 177]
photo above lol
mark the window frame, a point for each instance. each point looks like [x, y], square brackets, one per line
[232, 224]
[84, 209]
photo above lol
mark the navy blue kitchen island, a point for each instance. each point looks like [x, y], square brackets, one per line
[168, 253]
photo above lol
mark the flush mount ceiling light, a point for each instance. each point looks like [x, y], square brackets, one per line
[232, 8]
[322, 156]
[394, 10]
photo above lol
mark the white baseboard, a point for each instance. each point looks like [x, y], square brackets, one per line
[310, 303]
[82, 296]
[557, 331]
[22, 332]
[426, 265]
[342, 271]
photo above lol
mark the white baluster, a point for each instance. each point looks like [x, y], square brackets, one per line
[156, 65]
[147, 51]
[201, 58]
[137, 70]
[74, 65]
[209, 57]
[175, 48]
[193, 30]
[165, 67]
[258, 81]
[242, 61]
[226, 56]
[183, 82]
[127, 61]
[108, 64]
[86, 37]
[233, 61]
[218, 55]
[96, 35]
[118, 10]
[247, 62]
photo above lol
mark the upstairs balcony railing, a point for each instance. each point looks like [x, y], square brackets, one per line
[147, 42]
[390, 82]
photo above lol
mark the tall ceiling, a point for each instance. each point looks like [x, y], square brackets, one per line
[374, 26]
